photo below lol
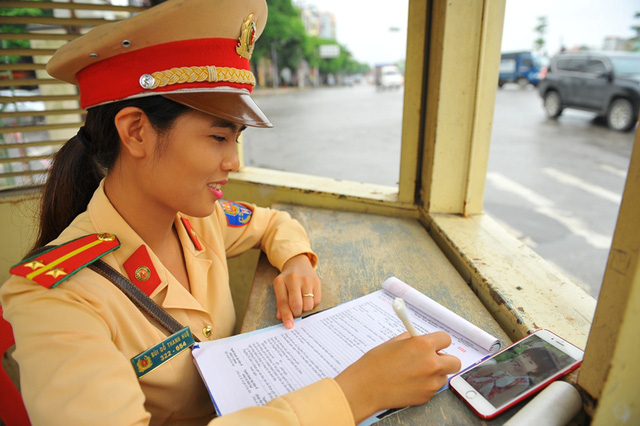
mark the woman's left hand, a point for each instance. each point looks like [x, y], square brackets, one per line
[298, 289]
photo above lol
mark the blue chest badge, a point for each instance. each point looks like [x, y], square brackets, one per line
[237, 214]
[162, 352]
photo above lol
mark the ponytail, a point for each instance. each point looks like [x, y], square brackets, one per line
[82, 162]
[72, 180]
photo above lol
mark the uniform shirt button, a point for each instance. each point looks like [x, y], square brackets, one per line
[207, 331]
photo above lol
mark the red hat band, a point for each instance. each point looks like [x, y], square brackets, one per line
[199, 65]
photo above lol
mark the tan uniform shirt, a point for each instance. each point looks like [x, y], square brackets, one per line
[75, 341]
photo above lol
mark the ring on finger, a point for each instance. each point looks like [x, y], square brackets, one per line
[307, 295]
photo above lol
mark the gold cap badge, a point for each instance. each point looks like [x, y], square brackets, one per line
[247, 39]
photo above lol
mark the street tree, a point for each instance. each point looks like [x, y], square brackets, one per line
[540, 30]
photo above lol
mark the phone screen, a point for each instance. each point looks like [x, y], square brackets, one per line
[516, 370]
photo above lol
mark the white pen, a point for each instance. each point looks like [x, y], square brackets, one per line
[401, 311]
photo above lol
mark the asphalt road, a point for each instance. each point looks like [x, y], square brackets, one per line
[350, 133]
[555, 184]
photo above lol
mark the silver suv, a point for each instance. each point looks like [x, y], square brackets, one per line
[607, 83]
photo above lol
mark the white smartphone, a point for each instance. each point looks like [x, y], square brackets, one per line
[515, 373]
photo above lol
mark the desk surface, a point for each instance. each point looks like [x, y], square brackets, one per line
[357, 253]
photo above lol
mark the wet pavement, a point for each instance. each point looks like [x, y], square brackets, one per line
[555, 184]
[350, 133]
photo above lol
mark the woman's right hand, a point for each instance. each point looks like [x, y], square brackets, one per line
[401, 372]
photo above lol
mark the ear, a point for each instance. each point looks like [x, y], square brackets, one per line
[136, 133]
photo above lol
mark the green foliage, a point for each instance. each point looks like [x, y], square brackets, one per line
[284, 39]
[18, 28]
[633, 44]
[540, 29]
[283, 36]
[312, 50]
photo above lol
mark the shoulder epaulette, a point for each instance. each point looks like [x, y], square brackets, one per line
[51, 267]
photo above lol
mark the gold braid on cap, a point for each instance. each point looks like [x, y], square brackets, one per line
[196, 75]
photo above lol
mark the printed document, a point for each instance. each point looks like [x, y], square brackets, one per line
[253, 368]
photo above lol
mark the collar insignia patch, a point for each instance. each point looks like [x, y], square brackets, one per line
[192, 233]
[141, 271]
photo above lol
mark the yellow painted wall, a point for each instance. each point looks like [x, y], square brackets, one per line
[611, 372]
[456, 127]
[18, 212]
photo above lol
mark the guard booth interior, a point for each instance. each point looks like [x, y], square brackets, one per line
[453, 55]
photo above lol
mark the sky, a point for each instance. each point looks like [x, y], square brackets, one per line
[571, 23]
[364, 26]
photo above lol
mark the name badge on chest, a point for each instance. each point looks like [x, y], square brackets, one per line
[157, 355]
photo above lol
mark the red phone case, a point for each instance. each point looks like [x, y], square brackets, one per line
[520, 398]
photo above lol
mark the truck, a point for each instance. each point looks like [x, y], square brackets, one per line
[388, 76]
[522, 68]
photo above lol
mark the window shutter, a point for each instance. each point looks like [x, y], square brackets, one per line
[37, 112]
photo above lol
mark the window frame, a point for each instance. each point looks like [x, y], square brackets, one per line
[453, 55]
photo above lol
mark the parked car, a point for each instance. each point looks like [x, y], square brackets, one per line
[607, 83]
[522, 68]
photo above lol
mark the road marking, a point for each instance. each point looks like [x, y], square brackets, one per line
[613, 170]
[546, 207]
[585, 186]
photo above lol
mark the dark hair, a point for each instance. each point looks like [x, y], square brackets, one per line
[546, 361]
[77, 169]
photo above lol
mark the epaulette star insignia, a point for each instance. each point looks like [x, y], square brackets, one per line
[55, 265]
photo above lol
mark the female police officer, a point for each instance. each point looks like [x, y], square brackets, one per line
[140, 187]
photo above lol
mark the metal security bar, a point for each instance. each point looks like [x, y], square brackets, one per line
[39, 113]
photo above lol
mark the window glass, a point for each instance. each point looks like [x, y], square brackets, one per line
[332, 120]
[629, 65]
[579, 64]
[334, 96]
[563, 64]
[571, 64]
[595, 66]
[556, 170]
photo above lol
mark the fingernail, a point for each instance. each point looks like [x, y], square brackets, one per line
[288, 324]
